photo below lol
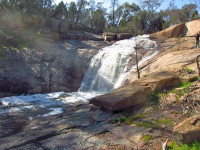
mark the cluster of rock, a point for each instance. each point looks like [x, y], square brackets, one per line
[116, 36]
[48, 67]
[183, 29]
[136, 93]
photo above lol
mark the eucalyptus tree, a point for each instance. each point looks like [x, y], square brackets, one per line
[114, 4]
[72, 12]
[60, 11]
[81, 4]
[98, 21]
[150, 6]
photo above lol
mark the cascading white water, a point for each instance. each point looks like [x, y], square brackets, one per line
[105, 73]
[110, 66]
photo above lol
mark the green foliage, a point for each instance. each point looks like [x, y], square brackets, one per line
[166, 121]
[185, 84]
[183, 88]
[174, 146]
[112, 29]
[146, 75]
[193, 79]
[60, 12]
[146, 138]
[12, 41]
[121, 18]
[190, 71]
[98, 21]
[128, 120]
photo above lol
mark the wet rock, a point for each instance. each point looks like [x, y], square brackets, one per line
[98, 128]
[99, 116]
[189, 130]
[29, 147]
[76, 140]
[51, 67]
[21, 138]
[137, 92]
[94, 108]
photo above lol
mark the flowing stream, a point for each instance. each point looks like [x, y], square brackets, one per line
[106, 72]
[110, 66]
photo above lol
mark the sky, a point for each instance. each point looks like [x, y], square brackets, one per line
[178, 3]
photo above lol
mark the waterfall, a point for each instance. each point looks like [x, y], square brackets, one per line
[110, 66]
[106, 72]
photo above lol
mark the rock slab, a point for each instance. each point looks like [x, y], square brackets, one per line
[122, 98]
[189, 130]
[136, 92]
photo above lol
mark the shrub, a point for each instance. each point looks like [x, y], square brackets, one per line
[193, 146]
[146, 138]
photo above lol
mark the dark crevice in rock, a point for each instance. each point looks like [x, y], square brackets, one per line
[35, 140]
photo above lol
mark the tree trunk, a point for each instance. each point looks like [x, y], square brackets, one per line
[136, 59]
[79, 12]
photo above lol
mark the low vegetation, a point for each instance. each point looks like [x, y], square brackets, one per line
[12, 41]
[146, 138]
[189, 70]
[174, 146]
[179, 91]
[129, 119]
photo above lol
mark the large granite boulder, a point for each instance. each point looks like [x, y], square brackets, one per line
[189, 130]
[160, 80]
[122, 98]
[191, 28]
[183, 29]
[136, 92]
[170, 32]
[49, 67]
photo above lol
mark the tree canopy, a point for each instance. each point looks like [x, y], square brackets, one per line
[143, 18]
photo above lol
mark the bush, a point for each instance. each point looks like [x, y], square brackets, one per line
[193, 146]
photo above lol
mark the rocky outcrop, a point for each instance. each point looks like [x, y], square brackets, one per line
[113, 36]
[189, 130]
[49, 67]
[191, 28]
[122, 36]
[160, 80]
[109, 36]
[136, 93]
[170, 32]
[184, 29]
[122, 98]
